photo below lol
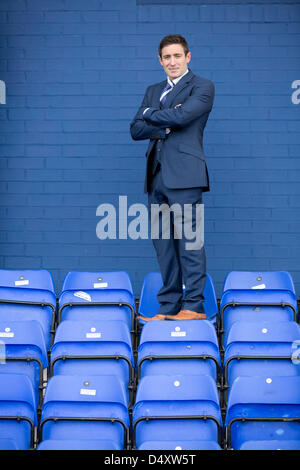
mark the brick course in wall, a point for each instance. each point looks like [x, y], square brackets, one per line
[75, 72]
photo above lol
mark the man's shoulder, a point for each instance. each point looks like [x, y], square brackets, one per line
[154, 85]
[202, 81]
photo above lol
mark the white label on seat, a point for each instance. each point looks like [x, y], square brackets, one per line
[6, 335]
[178, 333]
[83, 295]
[260, 286]
[24, 282]
[93, 335]
[85, 391]
[99, 285]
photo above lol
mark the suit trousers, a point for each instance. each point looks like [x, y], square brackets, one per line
[177, 263]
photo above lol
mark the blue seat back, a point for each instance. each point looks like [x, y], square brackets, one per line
[38, 279]
[94, 312]
[88, 339]
[179, 338]
[258, 287]
[149, 304]
[17, 399]
[263, 398]
[92, 338]
[255, 280]
[175, 396]
[29, 286]
[91, 397]
[265, 340]
[253, 314]
[99, 281]
[97, 287]
[24, 339]
[262, 332]
[23, 351]
[243, 287]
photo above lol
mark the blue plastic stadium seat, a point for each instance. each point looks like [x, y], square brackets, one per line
[256, 280]
[176, 408]
[24, 351]
[18, 411]
[256, 296]
[265, 409]
[180, 445]
[82, 292]
[271, 445]
[149, 306]
[85, 407]
[93, 348]
[85, 444]
[28, 295]
[192, 344]
[262, 348]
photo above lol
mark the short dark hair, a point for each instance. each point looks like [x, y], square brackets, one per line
[173, 39]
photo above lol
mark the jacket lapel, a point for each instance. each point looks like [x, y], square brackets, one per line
[177, 88]
[158, 93]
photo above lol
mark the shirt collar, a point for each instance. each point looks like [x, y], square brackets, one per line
[176, 80]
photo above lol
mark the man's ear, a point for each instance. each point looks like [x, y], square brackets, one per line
[160, 61]
[188, 57]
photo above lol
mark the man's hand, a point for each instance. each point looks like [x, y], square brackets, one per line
[198, 104]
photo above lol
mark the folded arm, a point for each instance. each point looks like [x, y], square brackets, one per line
[199, 103]
[140, 129]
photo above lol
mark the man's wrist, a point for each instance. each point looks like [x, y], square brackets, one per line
[159, 134]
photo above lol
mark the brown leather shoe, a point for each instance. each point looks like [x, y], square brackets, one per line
[186, 315]
[156, 317]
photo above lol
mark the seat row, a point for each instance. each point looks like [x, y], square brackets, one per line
[187, 347]
[176, 351]
[181, 348]
[247, 296]
[30, 295]
[253, 296]
[170, 412]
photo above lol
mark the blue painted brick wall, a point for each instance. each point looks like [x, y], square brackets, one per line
[75, 73]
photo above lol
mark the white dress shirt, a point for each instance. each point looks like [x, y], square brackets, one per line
[172, 83]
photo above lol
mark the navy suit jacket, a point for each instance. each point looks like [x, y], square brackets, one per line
[181, 151]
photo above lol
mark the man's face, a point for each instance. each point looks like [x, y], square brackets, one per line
[174, 60]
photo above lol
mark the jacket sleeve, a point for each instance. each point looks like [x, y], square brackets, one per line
[140, 129]
[197, 104]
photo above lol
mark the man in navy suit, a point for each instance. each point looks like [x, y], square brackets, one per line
[173, 116]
